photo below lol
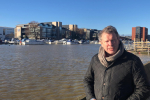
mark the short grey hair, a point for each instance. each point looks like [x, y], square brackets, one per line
[109, 29]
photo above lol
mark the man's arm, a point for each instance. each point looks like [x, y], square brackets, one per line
[142, 86]
[89, 82]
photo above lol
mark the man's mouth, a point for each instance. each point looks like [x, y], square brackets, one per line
[111, 49]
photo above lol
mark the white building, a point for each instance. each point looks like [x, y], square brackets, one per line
[6, 33]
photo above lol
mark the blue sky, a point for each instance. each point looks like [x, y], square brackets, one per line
[92, 14]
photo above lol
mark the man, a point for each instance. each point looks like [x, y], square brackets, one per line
[114, 73]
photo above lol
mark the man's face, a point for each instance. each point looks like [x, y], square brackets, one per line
[110, 43]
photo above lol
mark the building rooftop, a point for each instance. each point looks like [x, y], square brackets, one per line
[6, 27]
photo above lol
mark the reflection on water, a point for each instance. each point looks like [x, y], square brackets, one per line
[43, 72]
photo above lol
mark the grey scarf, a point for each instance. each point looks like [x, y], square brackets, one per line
[107, 61]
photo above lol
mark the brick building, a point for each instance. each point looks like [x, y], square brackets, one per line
[139, 33]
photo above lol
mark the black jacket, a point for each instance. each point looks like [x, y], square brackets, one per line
[125, 79]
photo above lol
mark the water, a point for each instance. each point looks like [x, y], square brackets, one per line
[45, 72]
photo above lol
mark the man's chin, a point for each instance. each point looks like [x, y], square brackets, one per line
[111, 52]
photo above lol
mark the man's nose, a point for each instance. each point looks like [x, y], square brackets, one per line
[110, 42]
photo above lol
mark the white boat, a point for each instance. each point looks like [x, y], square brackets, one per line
[49, 42]
[80, 42]
[127, 41]
[64, 42]
[76, 41]
[33, 42]
[86, 42]
[14, 41]
[58, 41]
[92, 42]
[69, 41]
[96, 42]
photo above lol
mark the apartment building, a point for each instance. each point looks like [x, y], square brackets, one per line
[71, 27]
[45, 30]
[6, 33]
[72, 30]
[139, 33]
[91, 34]
[54, 30]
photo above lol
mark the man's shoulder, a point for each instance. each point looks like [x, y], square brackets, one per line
[131, 56]
[95, 56]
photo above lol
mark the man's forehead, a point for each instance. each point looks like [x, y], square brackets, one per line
[109, 34]
[106, 36]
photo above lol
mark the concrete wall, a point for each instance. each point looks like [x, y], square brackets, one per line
[59, 24]
[71, 27]
[18, 32]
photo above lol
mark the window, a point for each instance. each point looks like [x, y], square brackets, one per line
[48, 30]
[43, 29]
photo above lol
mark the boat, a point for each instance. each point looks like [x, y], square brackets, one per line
[64, 42]
[80, 42]
[70, 42]
[59, 41]
[32, 42]
[76, 41]
[14, 41]
[127, 41]
[86, 42]
[96, 42]
[49, 41]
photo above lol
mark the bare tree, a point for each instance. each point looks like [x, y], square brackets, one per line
[33, 29]
[80, 33]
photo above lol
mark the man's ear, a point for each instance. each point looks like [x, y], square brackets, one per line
[100, 42]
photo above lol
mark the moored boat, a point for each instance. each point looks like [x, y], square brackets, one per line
[69, 41]
[32, 42]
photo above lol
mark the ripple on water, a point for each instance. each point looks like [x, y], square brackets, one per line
[43, 72]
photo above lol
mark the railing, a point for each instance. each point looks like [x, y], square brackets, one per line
[142, 46]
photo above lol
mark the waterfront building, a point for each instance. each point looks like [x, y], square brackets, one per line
[72, 30]
[6, 33]
[66, 33]
[54, 30]
[57, 29]
[45, 30]
[71, 27]
[91, 34]
[139, 33]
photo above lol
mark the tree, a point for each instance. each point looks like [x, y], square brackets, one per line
[33, 29]
[80, 33]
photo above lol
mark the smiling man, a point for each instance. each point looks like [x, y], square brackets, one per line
[114, 73]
